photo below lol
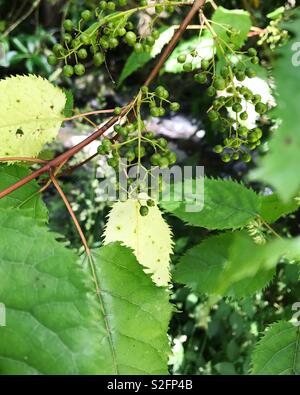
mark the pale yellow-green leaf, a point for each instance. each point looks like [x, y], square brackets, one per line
[31, 112]
[150, 237]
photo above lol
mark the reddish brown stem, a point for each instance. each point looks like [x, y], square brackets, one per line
[193, 11]
[71, 212]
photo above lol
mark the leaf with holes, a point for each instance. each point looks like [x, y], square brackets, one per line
[31, 112]
[149, 236]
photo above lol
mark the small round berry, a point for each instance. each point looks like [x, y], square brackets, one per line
[188, 66]
[244, 116]
[144, 210]
[213, 115]
[117, 110]
[235, 156]
[68, 70]
[220, 83]
[130, 155]
[250, 73]
[82, 53]
[205, 64]
[252, 52]
[163, 162]
[79, 69]
[68, 25]
[84, 38]
[86, 15]
[58, 49]
[211, 91]
[246, 158]
[218, 149]
[52, 60]
[138, 47]
[130, 38]
[201, 78]
[261, 108]
[67, 38]
[111, 6]
[226, 158]
[98, 59]
[172, 158]
[237, 107]
[162, 142]
[155, 158]
[181, 58]
[174, 106]
[255, 60]
[150, 203]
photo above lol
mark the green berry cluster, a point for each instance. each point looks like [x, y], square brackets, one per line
[96, 32]
[144, 209]
[238, 140]
[158, 101]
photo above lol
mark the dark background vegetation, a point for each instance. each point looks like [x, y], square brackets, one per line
[210, 336]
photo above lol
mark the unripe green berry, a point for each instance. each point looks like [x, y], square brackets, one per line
[181, 58]
[82, 53]
[130, 38]
[218, 149]
[226, 158]
[86, 15]
[52, 60]
[68, 71]
[98, 59]
[68, 25]
[79, 69]
[144, 210]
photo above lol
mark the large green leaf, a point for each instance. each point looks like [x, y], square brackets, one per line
[56, 322]
[223, 20]
[227, 204]
[277, 168]
[272, 207]
[25, 198]
[232, 264]
[138, 312]
[278, 352]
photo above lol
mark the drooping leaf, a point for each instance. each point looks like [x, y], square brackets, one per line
[278, 352]
[277, 167]
[138, 312]
[233, 264]
[224, 20]
[272, 207]
[56, 322]
[31, 112]
[137, 60]
[25, 198]
[149, 236]
[226, 204]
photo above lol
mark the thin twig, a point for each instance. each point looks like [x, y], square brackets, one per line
[109, 111]
[71, 212]
[23, 17]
